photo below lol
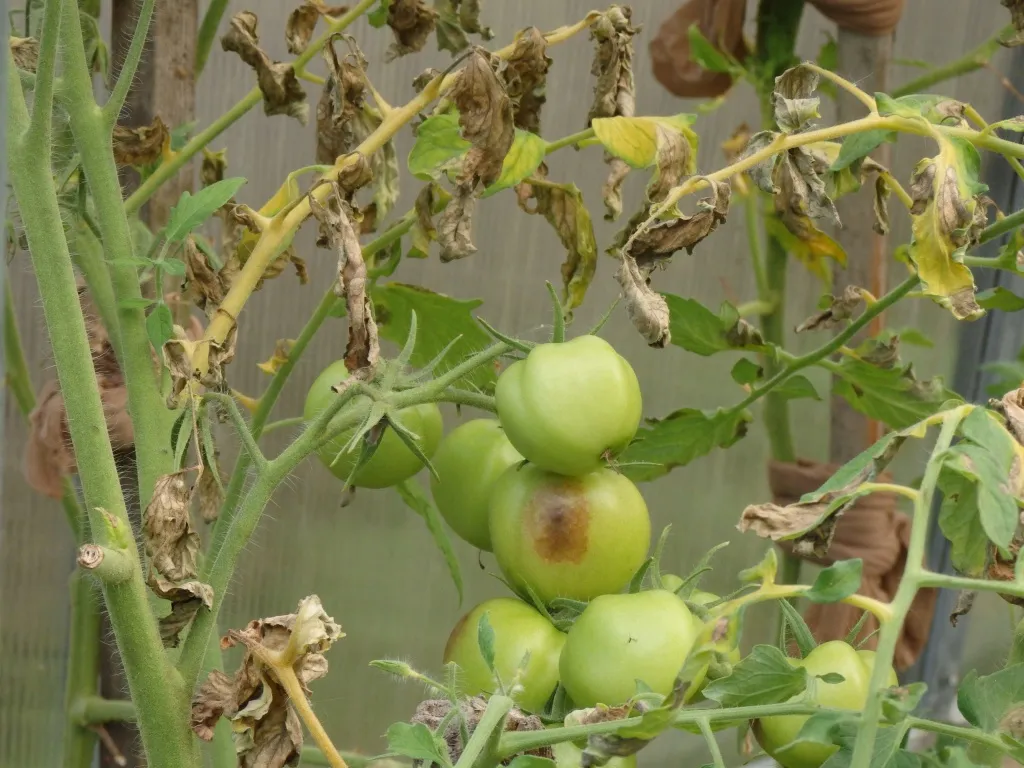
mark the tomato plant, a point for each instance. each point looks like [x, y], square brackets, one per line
[622, 641]
[392, 461]
[575, 537]
[526, 647]
[468, 463]
[567, 407]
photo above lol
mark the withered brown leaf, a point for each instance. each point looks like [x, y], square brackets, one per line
[485, 117]
[611, 190]
[525, 76]
[793, 99]
[881, 205]
[423, 232]
[141, 145]
[455, 225]
[171, 543]
[302, 21]
[204, 285]
[186, 598]
[800, 190]
[647, 310]
[615, 90]
[25, 51]
[213, 167]
[282, 93]
[839, 310]
[412, 22]
[363, 349]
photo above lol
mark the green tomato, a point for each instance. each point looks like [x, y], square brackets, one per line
[392, 462]
[575, 537]
[619, 639]
[568, 755]
[856, 668]
[568, 405]
[468, 462]
[519, 631]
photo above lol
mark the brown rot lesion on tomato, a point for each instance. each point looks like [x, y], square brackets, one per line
[558, 522]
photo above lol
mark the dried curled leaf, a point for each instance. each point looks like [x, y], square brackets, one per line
[302, 21]
[659, 241]
[485, 117]
[562, 205]
[266, 729]
[142, 145]
[611, 190]
[793, 99]
[178, 353]
[455, 226]
[210, 490]
[25, 51]
[647, 310]
[186, 598]
[363, 349]
[839, 310]
[205, 286]
[947, 219]
[1017, 20]
[412, 22]
[171, 543]
[423, 231]
[215, 164]
[525, 76]
[282, 93]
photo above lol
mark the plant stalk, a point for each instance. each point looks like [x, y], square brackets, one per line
[83, 671]
[969, 62]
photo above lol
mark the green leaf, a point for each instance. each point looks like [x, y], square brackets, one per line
[836, 582]
[796, 388]
[960, 524]
[159, 326]
[174, 267]
[885, 754]
[901, 701]
[531, 761]
[857, 146]
[1000, 298]
[378, 17]
[438, 142]
[997, 507]
[416, 499]
[746, 371]
[416, 741]
[678, 439]
[985, 700]
[798, 628]
[193, 210]
[831, 678]
[697, 329]
[485, 640]
[932, 107]
[893, 395]
[826, 728]
[441, 319]
[1008, 376]
[763, 677]
[704, 52]
[134, 302]
[523, 158]
[636, 140]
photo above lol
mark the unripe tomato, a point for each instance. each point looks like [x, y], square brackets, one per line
[619, 639]
[518, 630]
[576, 537]
[567, 405]
[856, 668]
[468, 462]
[392, 462]
[568, 755]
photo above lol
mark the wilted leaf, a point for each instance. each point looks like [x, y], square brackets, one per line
[946, 223]
[562, 205]
[440, 320]
[614, 91]
[679, 438]
[412, 22]
[811, 246]
[25, 51]
[363, 349]
[647, 309]
[455, 226]
[611, 190]
[210, 490]
[214, 166]
[423, 232]
[171, 543]
[793, 99]
[665, 142]
[302, 21]
[141, 145]
[205, 286]
[485, 116]
[525, 77]
[839, 310]
[186, 599]
[279, 357]
[282, 93]
[697, 329]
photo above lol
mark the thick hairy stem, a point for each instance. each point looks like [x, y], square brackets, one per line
[83, 671]
[40, 126]
[171, 167]
[112, 109]
[909, 585]
[479, 751]
[151, 419]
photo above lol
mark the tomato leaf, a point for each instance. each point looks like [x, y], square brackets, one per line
[441, 319]
[801, 633]
[678, 439]
[704, 52]
[193, 210]
[438, 141]
[900, 701]
[173, 267]
[697, 329]
[1000, 298]
[984, 700]
[416, 741]
[763, 677]
[416, 499]
[831, 678]
[859, 145]
[836, 582]
[641, 141]
[885, 754]
[746, 371]
[485, 640]
[826, 728]
[891, 395]
[932, 107]
[523, 158]
[159, 326]
[796, 388]
[378, 17]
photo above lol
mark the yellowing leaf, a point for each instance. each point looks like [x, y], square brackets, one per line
[637, 140]
[279, 358]
[812, 250]
[523, 158]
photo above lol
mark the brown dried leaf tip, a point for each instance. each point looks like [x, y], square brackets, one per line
[647, 310]
[525, 75]
[455, 225]
[485, 117]
[25, 51]
[363, 349]
[282, 93]
[302, 22]
[142, 145]
[266, 729]
[178, 354]
[839, 310]
[412, 22]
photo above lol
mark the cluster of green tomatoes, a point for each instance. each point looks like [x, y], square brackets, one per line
[534, 487]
